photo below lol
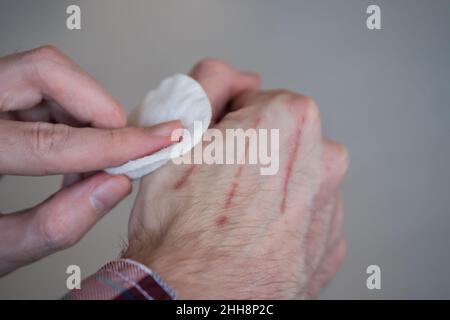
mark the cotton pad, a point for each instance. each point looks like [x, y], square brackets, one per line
[177, 98]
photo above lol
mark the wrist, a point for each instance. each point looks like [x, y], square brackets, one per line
[185, 274]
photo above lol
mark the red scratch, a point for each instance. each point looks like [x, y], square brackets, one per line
[222, 221]
[185, 177]
[290, 165]
[238, 173]
[234, 186]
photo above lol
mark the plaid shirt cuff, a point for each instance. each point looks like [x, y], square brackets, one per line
[123, 279]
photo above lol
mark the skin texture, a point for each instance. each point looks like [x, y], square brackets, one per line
[55, 119]
[211, 231]
[227, 232]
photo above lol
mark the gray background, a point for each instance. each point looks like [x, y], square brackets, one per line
[383, 93]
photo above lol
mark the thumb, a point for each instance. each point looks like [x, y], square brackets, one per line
[60, 221]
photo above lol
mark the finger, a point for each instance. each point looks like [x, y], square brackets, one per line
[222, 82]
[41, 112]
[7, 116]
[330, 266]
[48, 111]
[29, 77]
[60, 115]
[334, 236]
[318, 232]
[328, 202]
[60, 221]
[41, 148]
[335, 232]
[335, 160]
[72, 178]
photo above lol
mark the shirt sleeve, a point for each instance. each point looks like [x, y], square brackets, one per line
[122, 279]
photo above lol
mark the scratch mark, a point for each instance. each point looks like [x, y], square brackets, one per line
[222, 221]
[180, 183]
[238, 173]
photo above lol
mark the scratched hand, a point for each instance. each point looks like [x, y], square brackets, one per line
[228, 232]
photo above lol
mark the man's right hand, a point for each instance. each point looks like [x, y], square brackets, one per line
[227, 232]
[56, 119]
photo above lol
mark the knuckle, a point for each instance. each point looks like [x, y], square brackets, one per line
[44, 59]
[342, 159]
[295, 103]
[294, 108]
[46, 52]
[49, 139]
[336, 160]
[211, 66]
[307, 106]
[57, 234]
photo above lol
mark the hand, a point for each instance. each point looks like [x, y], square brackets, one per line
[44, 86]
[227, 232]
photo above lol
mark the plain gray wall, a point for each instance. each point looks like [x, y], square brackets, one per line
[385, 94]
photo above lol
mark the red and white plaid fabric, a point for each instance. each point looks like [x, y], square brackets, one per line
[123, 279]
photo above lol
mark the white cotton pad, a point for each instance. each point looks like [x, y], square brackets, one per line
[177, 98]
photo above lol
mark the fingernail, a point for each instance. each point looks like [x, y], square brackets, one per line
[109, 193]
[164, 129]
